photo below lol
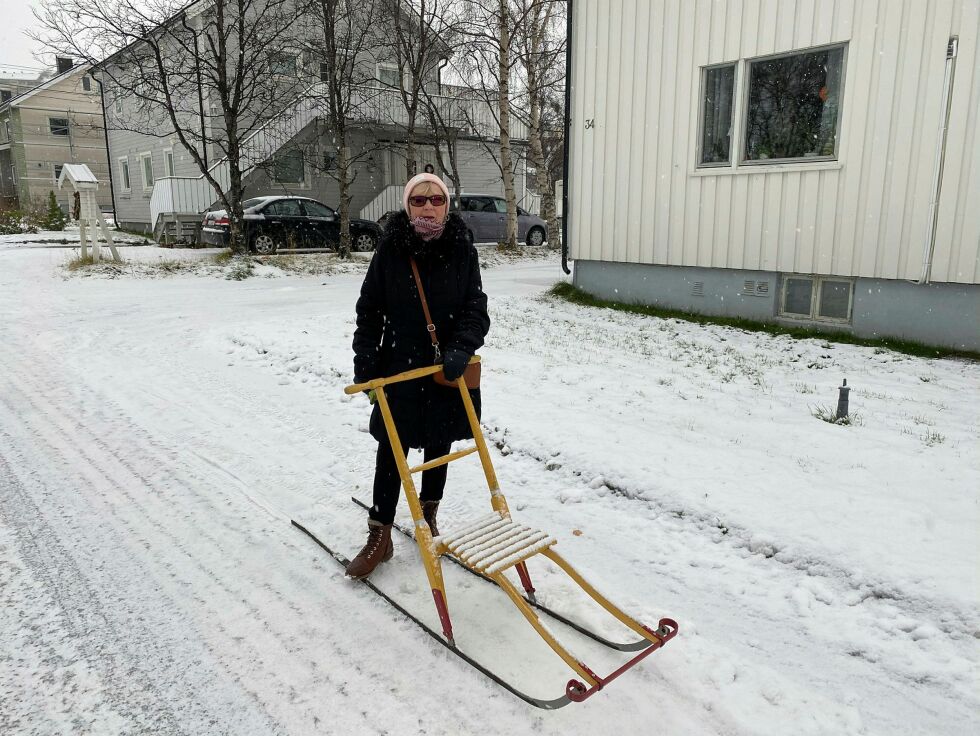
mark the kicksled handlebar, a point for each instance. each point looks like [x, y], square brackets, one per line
[399, 377]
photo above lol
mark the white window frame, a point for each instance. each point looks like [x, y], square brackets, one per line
[125, 175]
[816, 282]
[143, 157]
[737, 162]
[736, 92]
[169, 162]
[55, 172]
[744, 110]
[118, 101]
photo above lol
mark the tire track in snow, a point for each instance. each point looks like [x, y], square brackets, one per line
[267, 610]
[261, 615]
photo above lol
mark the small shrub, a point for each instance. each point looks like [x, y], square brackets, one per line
[932, 438]
[11, 222]
[53, 218]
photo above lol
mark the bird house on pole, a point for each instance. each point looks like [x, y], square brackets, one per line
[90, 219]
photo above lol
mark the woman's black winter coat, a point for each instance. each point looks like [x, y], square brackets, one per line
[391, 335]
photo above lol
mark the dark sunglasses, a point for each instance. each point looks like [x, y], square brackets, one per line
[419, 200]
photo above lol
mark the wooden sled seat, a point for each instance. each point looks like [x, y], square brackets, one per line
[493, 543]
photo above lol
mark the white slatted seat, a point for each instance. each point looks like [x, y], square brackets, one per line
[493, 543]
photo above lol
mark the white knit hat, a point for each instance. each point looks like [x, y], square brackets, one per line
[419, 179]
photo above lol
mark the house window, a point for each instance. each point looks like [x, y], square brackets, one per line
[283, 64]
[288, 167]
[168, 162]
[57, 171]
[817, 298]
[124, 174]
[834, 299]
[388, 75]
[58, 126]
[717, 106]
[146, 168]
[87, 83]
[6, 130]
[793, 105]
[324, 72]
[5, 94]
[119, 101]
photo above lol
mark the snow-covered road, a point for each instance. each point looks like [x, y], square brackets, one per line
[156, 437]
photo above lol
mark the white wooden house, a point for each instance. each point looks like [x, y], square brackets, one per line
[802, 161]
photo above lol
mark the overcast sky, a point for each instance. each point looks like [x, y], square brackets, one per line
[15, 46]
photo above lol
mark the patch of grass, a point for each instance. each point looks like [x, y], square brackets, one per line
[574, 295]
[932, 438]
[240, 269]
[223, 258]
[826, 414]
[79, 262]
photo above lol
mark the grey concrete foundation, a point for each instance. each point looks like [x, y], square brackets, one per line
[944, 315]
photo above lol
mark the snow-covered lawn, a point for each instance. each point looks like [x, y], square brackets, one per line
[157, 436]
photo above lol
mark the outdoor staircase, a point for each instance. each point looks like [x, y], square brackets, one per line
[179, 199]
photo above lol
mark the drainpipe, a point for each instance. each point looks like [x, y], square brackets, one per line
[930, 244]
[568, 135]
[108, 154]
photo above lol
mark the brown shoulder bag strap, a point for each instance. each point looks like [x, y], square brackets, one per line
[425, 308]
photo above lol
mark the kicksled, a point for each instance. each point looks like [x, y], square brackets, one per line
[490, 545]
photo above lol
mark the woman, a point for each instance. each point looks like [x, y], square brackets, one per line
[391, 337]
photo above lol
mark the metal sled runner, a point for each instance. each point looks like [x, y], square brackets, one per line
[494, 543]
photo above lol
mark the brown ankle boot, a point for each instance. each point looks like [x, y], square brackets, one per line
[429, 511]
[377, 550]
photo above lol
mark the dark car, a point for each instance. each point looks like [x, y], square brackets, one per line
[294, 224]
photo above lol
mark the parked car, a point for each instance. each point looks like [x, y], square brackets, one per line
[295, 224]
[486, 217]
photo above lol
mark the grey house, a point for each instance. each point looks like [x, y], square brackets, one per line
[158, 187]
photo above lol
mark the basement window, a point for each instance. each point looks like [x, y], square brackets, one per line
[820, 298]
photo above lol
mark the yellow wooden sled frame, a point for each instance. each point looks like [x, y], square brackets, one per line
[431, 550]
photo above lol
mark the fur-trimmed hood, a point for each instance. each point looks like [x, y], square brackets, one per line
[399, 233]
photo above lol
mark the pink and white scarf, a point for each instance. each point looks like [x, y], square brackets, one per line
[427, 229]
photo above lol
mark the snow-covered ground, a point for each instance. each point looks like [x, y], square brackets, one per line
[157, 436]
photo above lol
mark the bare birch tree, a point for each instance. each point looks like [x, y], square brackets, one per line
[539, 47]
[211, 72]
[417, 49]
[489, 68]
[348, 95]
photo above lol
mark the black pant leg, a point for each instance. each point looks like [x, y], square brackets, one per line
[387, 485]
[434, 480]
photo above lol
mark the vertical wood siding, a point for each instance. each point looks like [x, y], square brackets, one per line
[637, 196]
